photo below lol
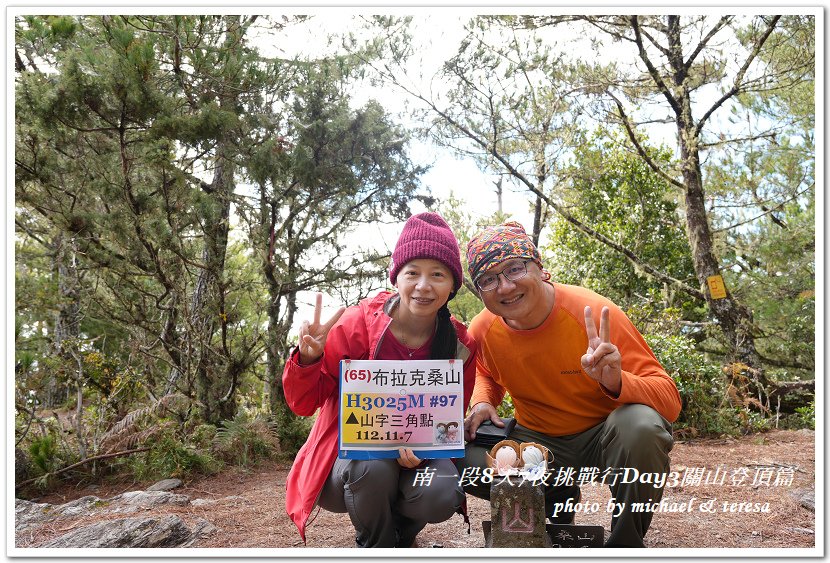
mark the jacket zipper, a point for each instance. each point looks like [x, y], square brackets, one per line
[377, 348]
[382, 336]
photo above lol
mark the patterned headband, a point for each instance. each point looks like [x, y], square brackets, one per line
[497, 244]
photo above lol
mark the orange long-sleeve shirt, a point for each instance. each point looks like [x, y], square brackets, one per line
[541, 368]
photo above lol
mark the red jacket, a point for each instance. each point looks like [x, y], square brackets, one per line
[356, 335]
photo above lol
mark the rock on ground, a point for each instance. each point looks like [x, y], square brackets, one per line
[149, 531]
[165, 485]
[168, 531]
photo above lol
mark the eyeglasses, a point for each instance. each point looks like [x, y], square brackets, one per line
[489, 282]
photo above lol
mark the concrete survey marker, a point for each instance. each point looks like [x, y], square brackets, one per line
[517, 510]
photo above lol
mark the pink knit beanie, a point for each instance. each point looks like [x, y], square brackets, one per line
[427, 235]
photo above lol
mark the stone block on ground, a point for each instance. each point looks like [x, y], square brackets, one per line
[28, 514]
[202, 529]
[517, 509]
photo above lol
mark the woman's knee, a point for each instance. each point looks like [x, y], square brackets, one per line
[371, 478]
[378, 475]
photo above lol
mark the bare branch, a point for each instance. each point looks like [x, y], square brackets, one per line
[771, 135]
[640, 150]
[705, 41]
[80, 463]
[766, 212]
[654, 42]
[738, 83]
[652, 70]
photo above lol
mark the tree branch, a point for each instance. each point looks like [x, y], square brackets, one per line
[693, 292]
[640, 150]
[653, 72]
[767, 212]
[705, 41]
[654, 42]
[736, 86]
[80, 463]
[771, 135]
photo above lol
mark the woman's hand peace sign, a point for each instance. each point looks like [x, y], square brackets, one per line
[313, 335]
[602, 361]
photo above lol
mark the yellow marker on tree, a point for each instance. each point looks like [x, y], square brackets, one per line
[717, 289]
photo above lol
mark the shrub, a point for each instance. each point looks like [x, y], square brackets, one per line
[703, 389]
[806, 416]
[40, 455]
[292, 431]
[243, 441]
[202, 435]
[43, 454]
[169, 456]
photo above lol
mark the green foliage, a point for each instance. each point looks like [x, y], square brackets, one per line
[244, 441]
[43, 453]
[292, 431]
[711, 403]
[705, 406]
[202, 435]
[171, 456]
[616, 193]
[101, 371]
[764, 192]
[775, 274]
[806, 415]
[466, 304]
[40, 453]
[506, 408]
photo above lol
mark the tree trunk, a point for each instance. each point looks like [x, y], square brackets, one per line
[278, 347]
[734, 318]
[79, 408]
[216, 376]
[277, 344]
[212, 381]
[68, 316]
[541, 177]
[787, 396]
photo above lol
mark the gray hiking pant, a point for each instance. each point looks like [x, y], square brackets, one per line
[633, 436]
[385, 505]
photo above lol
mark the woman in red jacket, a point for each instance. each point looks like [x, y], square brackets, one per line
[386, 509]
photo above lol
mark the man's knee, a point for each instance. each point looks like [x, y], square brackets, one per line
[474, 456]
[638, 427]
[472, 471]
[434, 500]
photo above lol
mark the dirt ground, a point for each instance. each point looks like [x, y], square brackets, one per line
[249, 509]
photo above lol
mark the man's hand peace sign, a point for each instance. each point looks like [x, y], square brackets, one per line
[602, 361]
[313, 336]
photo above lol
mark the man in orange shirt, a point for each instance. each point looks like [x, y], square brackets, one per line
[599, 400]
